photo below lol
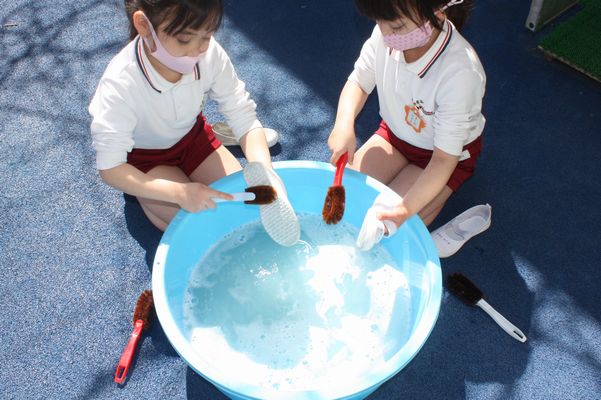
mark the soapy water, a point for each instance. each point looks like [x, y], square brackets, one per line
[299, 317]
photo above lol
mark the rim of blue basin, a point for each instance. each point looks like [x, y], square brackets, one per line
[356, 389]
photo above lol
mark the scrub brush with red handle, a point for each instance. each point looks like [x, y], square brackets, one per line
[142, 312]
[333, 207]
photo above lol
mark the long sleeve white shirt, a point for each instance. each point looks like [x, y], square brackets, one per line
[135, 107]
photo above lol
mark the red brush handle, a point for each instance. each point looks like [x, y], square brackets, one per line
[340, 164]
[128, 353]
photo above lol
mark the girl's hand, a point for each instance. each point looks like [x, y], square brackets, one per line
[398, 214]
[197, 197]
[342, 140]
[382, 219]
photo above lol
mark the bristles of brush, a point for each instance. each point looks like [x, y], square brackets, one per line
[333, 206]
[463, 288]
[143, 309]
[264, 194]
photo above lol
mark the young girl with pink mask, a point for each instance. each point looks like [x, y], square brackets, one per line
[148, 130]
[430, 86]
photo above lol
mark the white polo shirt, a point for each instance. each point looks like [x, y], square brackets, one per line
[135, 107]
[434, 101]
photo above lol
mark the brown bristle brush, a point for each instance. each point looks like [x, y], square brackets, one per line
[469, 293]
[260, 195]
[141, 320]
[333, 206]
[264, 194]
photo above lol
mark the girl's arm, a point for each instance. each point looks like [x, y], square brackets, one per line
[357, 88]
[427, 186]
[342, 139]
[254, 146]
[191, 196]
[459, 113]
[236, 105]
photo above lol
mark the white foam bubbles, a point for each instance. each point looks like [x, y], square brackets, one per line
[297, 318]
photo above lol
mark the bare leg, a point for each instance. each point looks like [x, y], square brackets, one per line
[431, 211]
[217, 165]
[405, 180]
[379, 159]
[158, 212]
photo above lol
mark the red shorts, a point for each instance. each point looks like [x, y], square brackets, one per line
[187, 154]
[421, 157]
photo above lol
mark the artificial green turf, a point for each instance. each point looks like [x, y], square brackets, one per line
[577, 41]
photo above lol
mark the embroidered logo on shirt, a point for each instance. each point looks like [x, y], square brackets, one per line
[419, 104]
[413, 119]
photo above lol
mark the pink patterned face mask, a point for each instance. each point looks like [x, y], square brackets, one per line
[417, 37]
[411, 40]
[181, 64]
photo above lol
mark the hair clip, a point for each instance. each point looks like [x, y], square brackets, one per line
[451, 3]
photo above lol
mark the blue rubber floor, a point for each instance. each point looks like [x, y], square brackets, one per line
[75, 253]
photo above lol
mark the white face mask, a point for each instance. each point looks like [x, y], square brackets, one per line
[181, 64]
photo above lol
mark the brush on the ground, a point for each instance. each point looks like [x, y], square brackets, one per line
[141, 320]
[260, 195]
[333, 206]
[469, 293]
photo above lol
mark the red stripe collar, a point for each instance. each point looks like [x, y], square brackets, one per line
[439, 50]
[142, 64]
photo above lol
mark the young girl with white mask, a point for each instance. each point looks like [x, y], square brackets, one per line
[430, 86]
[148, 130]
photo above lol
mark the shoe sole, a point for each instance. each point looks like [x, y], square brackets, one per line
[278, 218]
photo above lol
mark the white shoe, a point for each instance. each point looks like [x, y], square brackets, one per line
[225, 135]
[372, 229]
[449, 238]
[278, 218]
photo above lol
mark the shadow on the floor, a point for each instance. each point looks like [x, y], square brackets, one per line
[141, 229]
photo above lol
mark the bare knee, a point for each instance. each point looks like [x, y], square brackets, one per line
[161, 222]
[429, 215]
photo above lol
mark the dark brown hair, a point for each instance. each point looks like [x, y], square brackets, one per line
[180, 14]
[418, 11]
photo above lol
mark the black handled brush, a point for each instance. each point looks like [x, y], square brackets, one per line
[466, 291]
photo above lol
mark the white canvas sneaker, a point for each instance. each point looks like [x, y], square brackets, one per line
[449, 238]
[225, 135]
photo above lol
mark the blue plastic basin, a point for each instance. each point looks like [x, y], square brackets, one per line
[190, 236]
